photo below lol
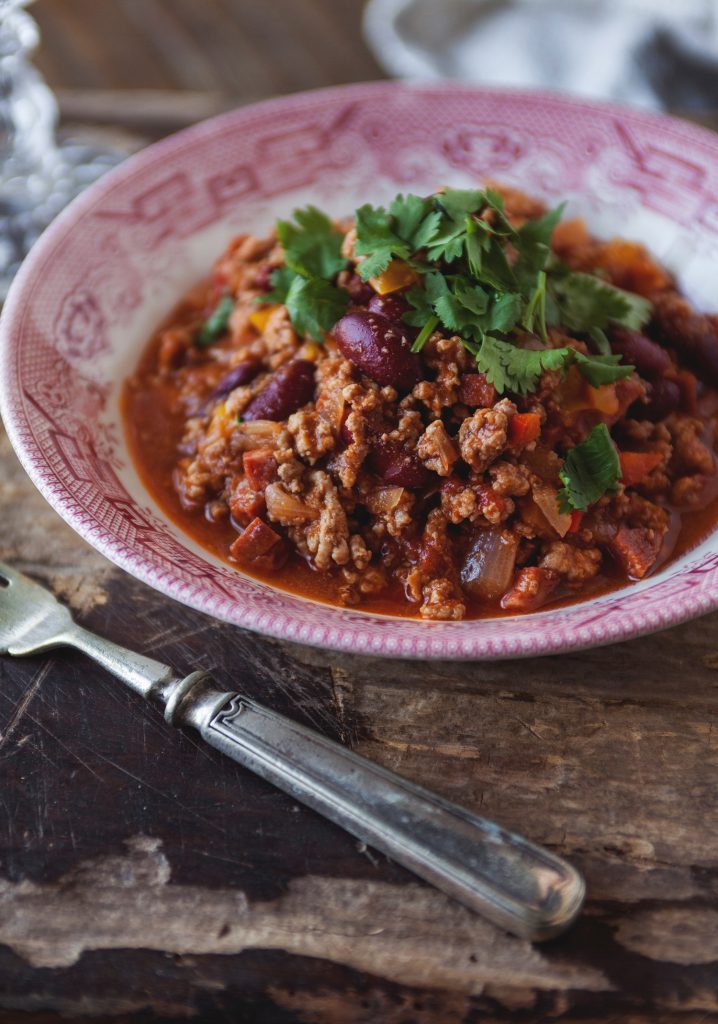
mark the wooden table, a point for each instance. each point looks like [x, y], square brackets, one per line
[143, 877]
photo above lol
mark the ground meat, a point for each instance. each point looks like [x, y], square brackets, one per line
[374, 486]
[442, 600]
[483, 436]
[509, 479]
[576, 565]
[313, 437]
[436, 449]
[690, 453]
[327, 538]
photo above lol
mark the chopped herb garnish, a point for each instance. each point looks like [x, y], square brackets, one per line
[510, 368]
[590, 470]
[586, 303]
[216, 324]
[281, 280]
[314, 306]
[312, 245]
[479, 278]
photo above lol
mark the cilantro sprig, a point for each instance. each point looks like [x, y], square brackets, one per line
[479, 277]
[590, 470]
[312, 259]
[216, 323]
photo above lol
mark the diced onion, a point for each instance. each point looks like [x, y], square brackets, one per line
[384, 499]
[547, 500]
[488, 567]
[286, 508]
[256, 434]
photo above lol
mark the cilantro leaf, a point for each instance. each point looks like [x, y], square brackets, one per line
[415, 220]
[312, 245]
[591, 470]
[510, 368]
[314, 306]
[377, 240]
[216, 324]
[532, 244]
[586, 302]
[455, 206]
[599, 370]
[281, 280]
[534, 315]
[504, 312]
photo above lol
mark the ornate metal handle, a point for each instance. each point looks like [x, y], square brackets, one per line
[509, 880]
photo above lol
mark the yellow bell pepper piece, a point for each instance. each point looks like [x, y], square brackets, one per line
[260, 317]
[397, 275]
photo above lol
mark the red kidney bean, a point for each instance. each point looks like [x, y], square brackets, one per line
[646, 355]
[242, 373]
[378, 348]
[288, 389]
[396, 464]
[392, 307]
[664, 397]
[361, 292]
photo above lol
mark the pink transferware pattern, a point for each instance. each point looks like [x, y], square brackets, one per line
[113, 265]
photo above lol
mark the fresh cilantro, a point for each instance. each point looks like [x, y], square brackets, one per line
[425, 333]
[534, 315]
[216, 324]
[586, 302]
[599, 370]
[281, 280]
[532, 243]
[510, 368]
[314, 306]
[312, 245]
[590, 470]
[416, 220]
[377, 241]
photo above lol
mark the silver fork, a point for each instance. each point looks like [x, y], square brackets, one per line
[516, 884]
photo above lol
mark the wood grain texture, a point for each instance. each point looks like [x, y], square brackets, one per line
[144, 877]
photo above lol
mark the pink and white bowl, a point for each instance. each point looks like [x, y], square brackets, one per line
[117, 260]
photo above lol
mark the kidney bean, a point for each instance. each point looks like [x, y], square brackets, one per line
[242, 373]
[646, 355]
[361, 292]
[288, 389]
[664, 397]
[378, 348]
[392, 307]
[396, 464]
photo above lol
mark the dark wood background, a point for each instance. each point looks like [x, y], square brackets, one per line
[143, 877]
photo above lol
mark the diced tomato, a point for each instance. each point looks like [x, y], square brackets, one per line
[259, 547]
[576, 517]
[531, 588]
[245, 503]
[260, 468]
[635, 549]
[524, 427]
[475, 390]
[635, 466]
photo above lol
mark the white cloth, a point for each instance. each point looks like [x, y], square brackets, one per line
[654, 53]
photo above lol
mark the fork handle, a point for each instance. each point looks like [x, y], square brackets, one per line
[516, 884]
